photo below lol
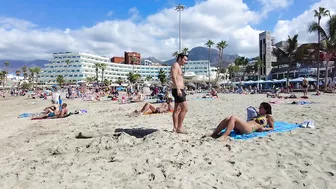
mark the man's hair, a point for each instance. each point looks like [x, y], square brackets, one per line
[181, 55]
[64, 104]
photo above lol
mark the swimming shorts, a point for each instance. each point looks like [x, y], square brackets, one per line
[52, 114]
[304, 86]
[179, 99]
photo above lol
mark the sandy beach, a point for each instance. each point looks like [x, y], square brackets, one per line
[142, 152]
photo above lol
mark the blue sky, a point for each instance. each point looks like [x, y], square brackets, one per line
[36, 28]
[77, 13]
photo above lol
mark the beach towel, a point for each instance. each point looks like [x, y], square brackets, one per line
[278, 127]
[39, 118]
[25, 115]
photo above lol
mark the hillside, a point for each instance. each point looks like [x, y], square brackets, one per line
[202, 53]
[18, 64]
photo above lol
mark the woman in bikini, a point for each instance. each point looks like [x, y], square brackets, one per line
[148, 108]
[258, 123]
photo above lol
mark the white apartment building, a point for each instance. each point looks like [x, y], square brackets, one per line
[82, 66]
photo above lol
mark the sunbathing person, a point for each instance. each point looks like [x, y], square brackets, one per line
[149, 108]
[55, 114]
[258, 123]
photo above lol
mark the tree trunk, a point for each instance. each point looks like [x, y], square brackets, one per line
[209, 69]
[318, 57]
[326, 74]
[102, 75]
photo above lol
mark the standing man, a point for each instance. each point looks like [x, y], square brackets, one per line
[181, 106]
[305, 86]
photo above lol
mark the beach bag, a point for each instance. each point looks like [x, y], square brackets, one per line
[251, 113]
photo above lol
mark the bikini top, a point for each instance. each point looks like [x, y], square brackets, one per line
[261, 120]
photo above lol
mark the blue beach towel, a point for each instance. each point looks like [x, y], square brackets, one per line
[301, 102]
[25, 115]
[278, 128]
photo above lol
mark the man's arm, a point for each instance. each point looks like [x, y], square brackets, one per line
[173, 74]
[62, 113]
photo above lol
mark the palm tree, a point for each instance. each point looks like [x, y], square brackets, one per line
[221, 46]
[31, 75]
[24, 70]
[67, 63]
[119, 81]
[37, 71]
[175, 54]
[209, 45]
[257, 67]
[185, 50]
[96, 66]
[89, 79]
[328, 41]
[133, 60]
[60, 80]
[242, 61]
[288, 53]
[6, 63]
[3, 77]
[232, 70]
[103, 67]
[133, 77]
[321, 12]
[18, 73]
[162, 76]
[219, 58]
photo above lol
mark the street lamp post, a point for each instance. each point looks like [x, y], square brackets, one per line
[179, 8]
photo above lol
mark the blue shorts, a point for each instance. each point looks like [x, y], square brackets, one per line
[52, 114]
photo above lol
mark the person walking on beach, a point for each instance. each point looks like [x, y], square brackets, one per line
[305, 86]
[181, 106]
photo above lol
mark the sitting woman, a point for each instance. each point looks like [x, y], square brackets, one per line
[258, 123]
[148, 108]
[50, 109]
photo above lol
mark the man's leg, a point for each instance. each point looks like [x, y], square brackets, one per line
[181, 115]
[175, 116]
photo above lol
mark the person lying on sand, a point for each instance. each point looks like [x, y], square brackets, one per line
[55, 114]
[149, 108]
[258, 123]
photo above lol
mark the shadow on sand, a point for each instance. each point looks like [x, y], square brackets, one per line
[136, 132]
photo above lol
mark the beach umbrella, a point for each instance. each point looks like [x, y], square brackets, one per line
[190, 84]
[299, 79]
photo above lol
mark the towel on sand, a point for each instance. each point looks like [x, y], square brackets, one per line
[278, 127]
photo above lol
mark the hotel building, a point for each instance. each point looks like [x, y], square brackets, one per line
[82, 66]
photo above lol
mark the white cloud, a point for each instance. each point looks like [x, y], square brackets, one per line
[299, 25]
[8, 23]
[109, 13]
[156, 35]
[270, 5]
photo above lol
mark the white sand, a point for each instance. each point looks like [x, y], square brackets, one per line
[46, 154]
